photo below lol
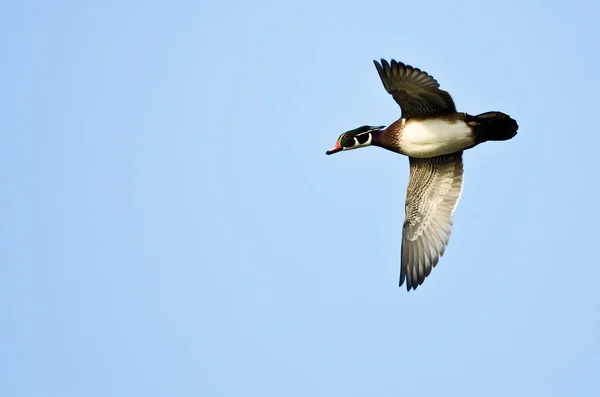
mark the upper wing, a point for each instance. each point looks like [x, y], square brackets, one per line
[434, 188]
[417, 93]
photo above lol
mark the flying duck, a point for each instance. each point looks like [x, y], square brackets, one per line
[433, 135]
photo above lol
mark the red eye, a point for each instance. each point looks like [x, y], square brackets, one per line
[346, 136]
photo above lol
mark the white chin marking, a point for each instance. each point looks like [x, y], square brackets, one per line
[430, 138]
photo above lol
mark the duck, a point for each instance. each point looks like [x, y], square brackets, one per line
[433, 135]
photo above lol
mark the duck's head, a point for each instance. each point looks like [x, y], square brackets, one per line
[353, 139]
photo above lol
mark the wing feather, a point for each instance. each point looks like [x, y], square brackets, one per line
[434, 189]
[417, 93]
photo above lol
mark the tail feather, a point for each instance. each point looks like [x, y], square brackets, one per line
[492, 126]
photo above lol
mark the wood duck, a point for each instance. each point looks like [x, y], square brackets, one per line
[433, 135]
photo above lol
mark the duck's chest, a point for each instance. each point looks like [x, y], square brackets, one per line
[434, 137]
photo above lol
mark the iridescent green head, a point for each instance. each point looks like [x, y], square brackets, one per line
[353, 139]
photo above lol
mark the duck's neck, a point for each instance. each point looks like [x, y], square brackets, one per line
[389, 138]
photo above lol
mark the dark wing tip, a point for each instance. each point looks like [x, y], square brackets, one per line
[402, 278]
[386, 66]
[378, 66]
[395, 66]
[404, 275]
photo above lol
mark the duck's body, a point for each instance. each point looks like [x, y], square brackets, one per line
[424, 137]
[433, 135]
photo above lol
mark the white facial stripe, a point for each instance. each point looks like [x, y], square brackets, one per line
[368, 142]
[357, 144]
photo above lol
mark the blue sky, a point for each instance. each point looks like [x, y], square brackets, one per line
[171, 225]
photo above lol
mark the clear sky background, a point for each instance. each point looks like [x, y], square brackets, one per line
[171, 226]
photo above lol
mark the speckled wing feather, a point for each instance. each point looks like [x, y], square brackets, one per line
[417, 93]
[434, 188]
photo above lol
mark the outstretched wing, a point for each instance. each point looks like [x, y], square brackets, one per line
[434, 188]
[417, 93]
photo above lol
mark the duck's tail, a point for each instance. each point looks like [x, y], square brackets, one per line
[492, 126]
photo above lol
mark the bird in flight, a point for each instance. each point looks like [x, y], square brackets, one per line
[433, 135]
